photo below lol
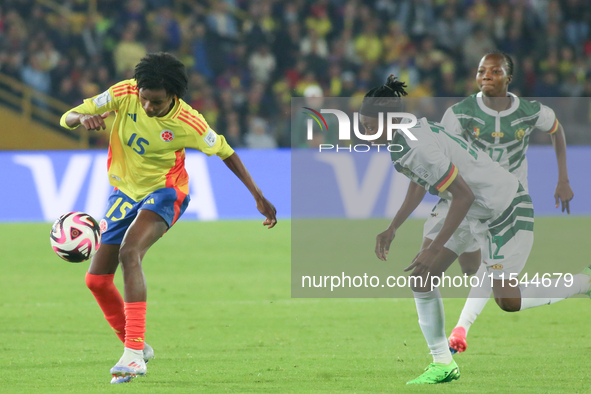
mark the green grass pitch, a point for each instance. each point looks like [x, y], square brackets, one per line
[221, 319]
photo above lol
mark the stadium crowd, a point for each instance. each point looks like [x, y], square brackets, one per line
[247, 58]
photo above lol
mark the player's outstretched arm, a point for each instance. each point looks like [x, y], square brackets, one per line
[90, 122]
[462, 200]
[414, 196]
[563, 192]
[263, 205]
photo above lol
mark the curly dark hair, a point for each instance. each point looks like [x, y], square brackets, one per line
[162, 70]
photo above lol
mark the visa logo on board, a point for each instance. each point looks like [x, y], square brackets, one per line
[85, 174]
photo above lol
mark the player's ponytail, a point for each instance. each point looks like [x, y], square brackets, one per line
[384, 98]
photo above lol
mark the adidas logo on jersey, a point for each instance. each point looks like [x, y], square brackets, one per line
[133, 117]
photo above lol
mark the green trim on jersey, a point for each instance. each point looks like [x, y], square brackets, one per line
[518, 216]
[503, 136]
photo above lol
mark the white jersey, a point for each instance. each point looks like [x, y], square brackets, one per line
[503, 135]
[436, 158]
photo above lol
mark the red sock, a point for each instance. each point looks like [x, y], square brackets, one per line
[110, 301]
[135, 324]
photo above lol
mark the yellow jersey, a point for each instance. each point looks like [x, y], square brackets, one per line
[147, 154]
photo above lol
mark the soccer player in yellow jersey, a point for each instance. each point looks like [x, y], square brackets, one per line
[152, 128]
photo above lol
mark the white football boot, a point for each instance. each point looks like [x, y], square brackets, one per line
[130, 365]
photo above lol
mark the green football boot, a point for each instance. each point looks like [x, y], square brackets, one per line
[438, 373]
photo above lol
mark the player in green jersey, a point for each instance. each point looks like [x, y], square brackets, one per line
[500, 123]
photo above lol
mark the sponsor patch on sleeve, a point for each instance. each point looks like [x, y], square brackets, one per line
[210, 138]
[420, 171]
[102, 99]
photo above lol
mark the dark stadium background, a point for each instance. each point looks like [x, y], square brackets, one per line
[248, 58]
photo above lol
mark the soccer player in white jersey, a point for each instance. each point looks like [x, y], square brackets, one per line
[483, 195]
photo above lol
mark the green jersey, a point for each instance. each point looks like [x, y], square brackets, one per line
[503, 135]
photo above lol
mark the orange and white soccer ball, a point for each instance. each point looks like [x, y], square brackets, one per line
[75, 237]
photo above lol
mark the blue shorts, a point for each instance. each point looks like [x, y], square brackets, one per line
[168, 202]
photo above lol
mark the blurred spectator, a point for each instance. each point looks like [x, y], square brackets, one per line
[423, 89]
[259, 27]
[129, 51]
[201, 51]
[577, 15]
[448, 86]
[309, 79]
[394, 42]
[93, 35]
[335, 81]
[451, 30]
[222, 22]
[368, 44]
[477, 45]
[429, 59]
[166, 29]
[35, 76]
[550, 39]
[257, 136]
[344, 52]
[526, 77]
[262, 64]
[12, 64]
[571, 87]
[313, 44]
[348, 84]
[295, 74]
[48, 57]
[287, 43]
[548, 12]
[232, 132]
[89, 87]
[134, 11]
[566, 65]
[37, 21]
[548, 86]
[513, 42]
[405, 70]
[416, 17]
[550, 63]
[318, 20]
[501, 22]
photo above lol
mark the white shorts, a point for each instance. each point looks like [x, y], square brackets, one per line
[462, 239]
[505, 241]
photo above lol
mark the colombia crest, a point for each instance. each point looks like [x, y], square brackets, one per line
[166, 135]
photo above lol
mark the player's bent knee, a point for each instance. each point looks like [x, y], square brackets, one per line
[509, 304]
[98, 282]
[129, 257]
[470, 262]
